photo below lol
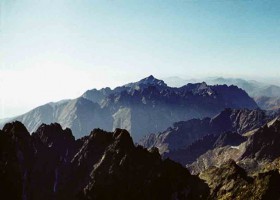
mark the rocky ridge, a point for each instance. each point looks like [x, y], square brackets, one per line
[51, 164]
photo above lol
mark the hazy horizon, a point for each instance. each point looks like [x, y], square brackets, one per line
[53, 50]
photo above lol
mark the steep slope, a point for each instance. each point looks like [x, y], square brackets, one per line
[146, 106]
[261, 148]
[51, 164]
[135, 173]
[268, 103]
[80, 114]
[30, 165]
[264, 144]
[97, 96]
[230, 181]
[185, 133]
[189, 154]
[270, 91]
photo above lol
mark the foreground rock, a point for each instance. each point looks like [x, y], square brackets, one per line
[51, 164]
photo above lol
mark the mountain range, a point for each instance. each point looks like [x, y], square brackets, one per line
[185, 141]
[258, 150]
[266, 95]
[193, 142]
[142, 107]
[51, 164]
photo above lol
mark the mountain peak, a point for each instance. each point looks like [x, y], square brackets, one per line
[151, 77]
[146, 82]
[151, 80]
[16, 128]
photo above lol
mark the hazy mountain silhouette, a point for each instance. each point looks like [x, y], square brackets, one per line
[146, 106]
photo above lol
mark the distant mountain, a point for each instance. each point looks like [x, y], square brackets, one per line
[146, 106]
[253, 88]
[250, 86]
[266, 95]
[269, 91]
[258, 90]
[175, 81]
[184, 133]
[268, 103]
[189, 154]
[51, 164]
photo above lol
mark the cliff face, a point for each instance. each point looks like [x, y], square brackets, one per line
[51, 164]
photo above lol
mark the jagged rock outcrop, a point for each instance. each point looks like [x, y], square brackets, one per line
[15, 159]
[126, 172]
[230, 181]
[34, 163]
[217, 157]
[261, 148]
[51, 164]
[143, 107]
[264, 144]
[195, 150]
[184, 133]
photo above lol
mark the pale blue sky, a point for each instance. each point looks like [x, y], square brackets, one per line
[55, 49]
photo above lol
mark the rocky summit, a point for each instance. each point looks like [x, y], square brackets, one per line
[51, 164]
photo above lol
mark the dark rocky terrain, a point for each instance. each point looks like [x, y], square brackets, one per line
[264, 144]
[187, 140]
[51, 164]
[229, 181]
[199, 147]
[143, 107]
[260, 149]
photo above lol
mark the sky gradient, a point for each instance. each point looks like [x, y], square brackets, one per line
[55, 49]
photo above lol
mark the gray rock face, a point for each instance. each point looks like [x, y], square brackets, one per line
[143, 107]
[79, 114]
